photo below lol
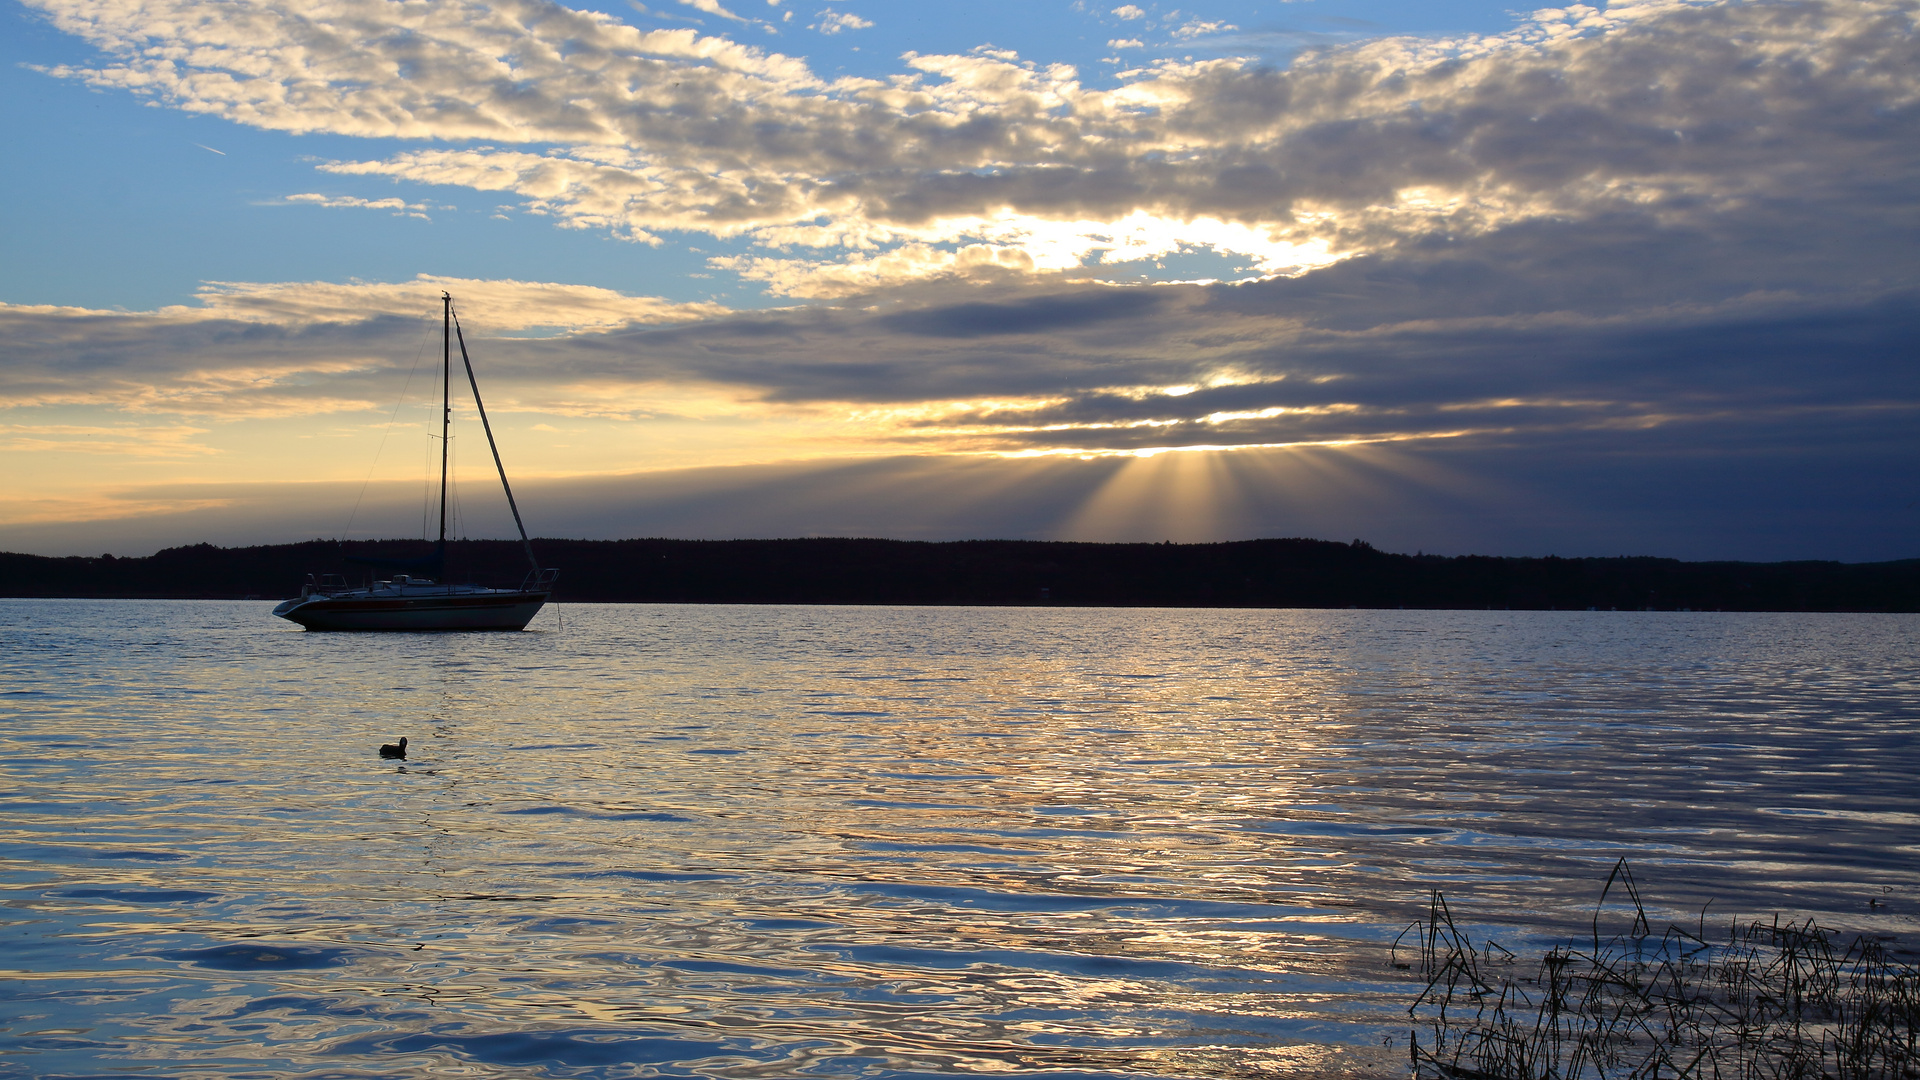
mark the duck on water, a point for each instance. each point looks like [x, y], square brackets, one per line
[414, 602]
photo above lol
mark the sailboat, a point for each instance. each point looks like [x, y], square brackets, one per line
[424, 601]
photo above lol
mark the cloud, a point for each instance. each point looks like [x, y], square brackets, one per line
[713, 7]
[1498, 360]
[1037, 315]
[1385, 206]
[1020, 244]
[1669, 106]
[125, 439]
[1125, 43]
[1201, 28]
[833, 22]
[1128, 11]
[400, 207]
[498, 305]
[276, 349]
[1413, 349]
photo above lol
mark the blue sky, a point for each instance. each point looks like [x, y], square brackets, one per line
[1585, 280]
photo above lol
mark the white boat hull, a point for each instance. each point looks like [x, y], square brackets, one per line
[489, 609]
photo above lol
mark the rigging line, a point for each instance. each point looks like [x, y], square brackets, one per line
[481, 408]
[422, 351]
[450, 484]
[426, 483]
[456, 515]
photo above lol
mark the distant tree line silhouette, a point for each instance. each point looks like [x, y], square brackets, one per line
[1248, 573]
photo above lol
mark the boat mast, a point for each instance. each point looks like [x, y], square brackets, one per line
[491, 445]
[446, 408]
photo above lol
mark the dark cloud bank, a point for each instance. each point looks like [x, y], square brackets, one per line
[1585, 389]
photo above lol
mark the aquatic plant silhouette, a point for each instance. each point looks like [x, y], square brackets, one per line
[1770, 1001]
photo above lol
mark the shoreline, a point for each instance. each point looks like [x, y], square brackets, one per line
[1272, 573]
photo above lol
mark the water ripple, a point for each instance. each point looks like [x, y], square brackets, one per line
[738, 842]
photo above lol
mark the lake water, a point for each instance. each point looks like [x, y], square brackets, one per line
[889, 842]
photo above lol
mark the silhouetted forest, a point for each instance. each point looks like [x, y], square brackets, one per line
[1248, 573]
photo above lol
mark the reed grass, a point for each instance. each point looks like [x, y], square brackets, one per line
[1768, 1001]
